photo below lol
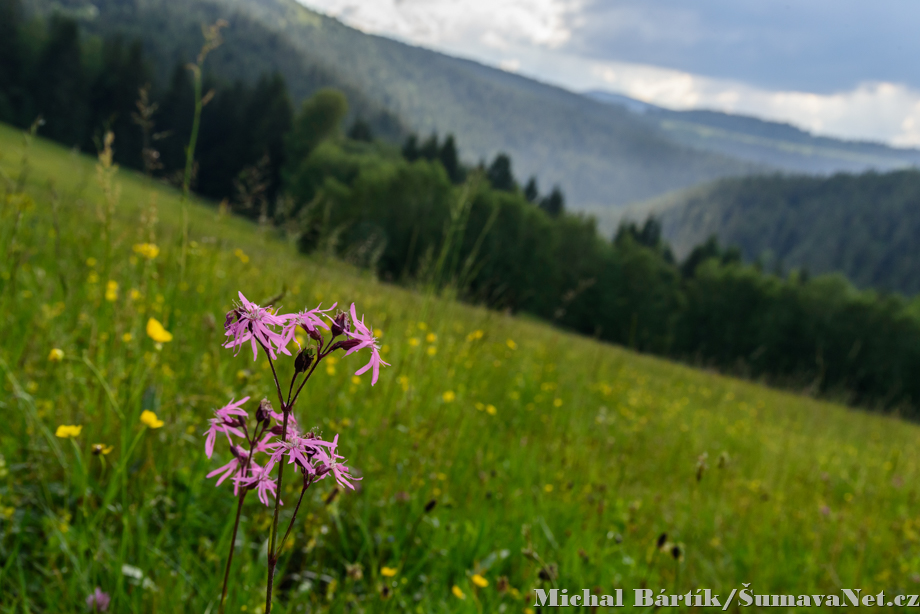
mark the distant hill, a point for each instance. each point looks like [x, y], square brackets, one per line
[864, 226]
[767, 143]
[600, 155]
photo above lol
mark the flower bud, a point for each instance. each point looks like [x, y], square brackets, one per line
[239, 452]
[345, 344]
[231, 316]
[340, 324]
[313, 333]
[321, 469]
[304, 360]
[264, 413]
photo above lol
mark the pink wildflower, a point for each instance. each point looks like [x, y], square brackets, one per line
[98, 601]
[232, 409]
[219, 425]
[309, 320]
[250, 322]
[295, 450]
[260, 479]
[365, 338]
[332, 463]
[227, 470]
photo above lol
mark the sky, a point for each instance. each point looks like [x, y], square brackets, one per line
[843, 68]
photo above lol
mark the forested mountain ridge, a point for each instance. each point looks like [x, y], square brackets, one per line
[599, 155]
[864, 226]
[770, 143]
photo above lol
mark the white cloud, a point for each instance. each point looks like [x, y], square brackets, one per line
[886, 112]
[495, 23]
[529, 37]
[510, 65]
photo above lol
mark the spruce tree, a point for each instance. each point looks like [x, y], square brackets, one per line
[59, 85]
[500, 175]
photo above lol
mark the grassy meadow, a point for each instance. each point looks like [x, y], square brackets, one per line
[543, 450]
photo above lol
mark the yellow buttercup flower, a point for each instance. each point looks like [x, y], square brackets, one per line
[511, 344]
[156, 331]
[387, 572]
[150, 419]
[66, 431]
[457, 592]
[111, 291]
[56, 355]
[101, 448]
[449, 396]
[480, 581]
[147, 250]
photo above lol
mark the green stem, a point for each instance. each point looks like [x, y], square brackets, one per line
[272, 558]
[236, 526]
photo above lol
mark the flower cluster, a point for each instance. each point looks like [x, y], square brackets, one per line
[262, 441]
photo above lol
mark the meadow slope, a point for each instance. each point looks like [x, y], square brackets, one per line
[529, 439]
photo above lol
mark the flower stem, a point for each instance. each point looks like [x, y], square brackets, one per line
[306, 485]
[272, 557]
[236, 525]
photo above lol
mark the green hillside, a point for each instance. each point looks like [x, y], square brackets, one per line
[598, 154]
[552, 460]
[864, 226]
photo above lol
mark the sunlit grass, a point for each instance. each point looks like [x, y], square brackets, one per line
[540, 448]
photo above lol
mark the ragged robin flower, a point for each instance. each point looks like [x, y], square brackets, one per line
[366, 339]
[250, 322]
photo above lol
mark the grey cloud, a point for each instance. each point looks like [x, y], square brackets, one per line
[820, 46]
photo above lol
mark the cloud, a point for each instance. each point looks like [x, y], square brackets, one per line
[494, 23]
[839, 68]
[881, 111]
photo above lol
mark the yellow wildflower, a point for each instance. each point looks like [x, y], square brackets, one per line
[491, 409]
[511, 344]
[126, 337]
[56, 355]
[147, 250]
[431, 337]
[156, 331]
[449, 396]
[432, 350]
[480, 581]
[241, 255]
[150, 419]
[457, 592]
[66, 431]
[548, 488]
[111, 291]
[413, 341]
[101, 448]
[387, 572]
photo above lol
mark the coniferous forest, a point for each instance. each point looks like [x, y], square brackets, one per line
[415, 213]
